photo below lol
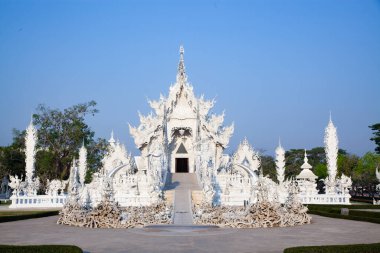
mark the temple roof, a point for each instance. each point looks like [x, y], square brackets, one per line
[181, 104]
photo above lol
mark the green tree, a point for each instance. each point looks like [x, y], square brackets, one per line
[60, 135]
[376, 136]
[347, 164]
[293, 162]
[364, 172]
[320, 170]
[12, 157]
[268, 166]
[364, 176]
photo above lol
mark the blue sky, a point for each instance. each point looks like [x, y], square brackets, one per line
[277, 68]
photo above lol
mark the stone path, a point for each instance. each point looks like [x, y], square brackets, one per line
[323, 231]
[183, 184]
[182, 208]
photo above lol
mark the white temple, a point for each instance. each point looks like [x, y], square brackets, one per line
[181, 135]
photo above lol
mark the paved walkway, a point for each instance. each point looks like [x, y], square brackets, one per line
[183, 184]
[182, 208]
[323, 231]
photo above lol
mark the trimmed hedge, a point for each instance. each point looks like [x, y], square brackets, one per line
[333, 211]
[40, 249]
[347, 217]
[314, 207]
[14, 216]
[355, 248]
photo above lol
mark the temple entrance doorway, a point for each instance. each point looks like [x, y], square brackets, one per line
[182, 165]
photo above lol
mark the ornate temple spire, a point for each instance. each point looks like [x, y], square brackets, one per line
[280, 163]
[112, 141]
[306, 164]
[30, 150]
[306, 173]
[331, 149]
[82, 164]
[181, 72]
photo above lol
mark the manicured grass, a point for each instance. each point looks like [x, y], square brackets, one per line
[40, 249]
[355, 248]
[333, 211]
[23, 215]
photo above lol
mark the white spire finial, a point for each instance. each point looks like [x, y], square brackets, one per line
[111, 140]
[330, 117]
[31, 119]
[181, 74]
[306, 164]
[305, 157]
[181, 52]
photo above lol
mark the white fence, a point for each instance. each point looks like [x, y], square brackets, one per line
[329, 199]
[41, 201]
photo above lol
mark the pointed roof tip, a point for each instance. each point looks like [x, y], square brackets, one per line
[305, 157]
[181, 73]
[306, 164]
[112, 139]
[31, 119]
[279, 142]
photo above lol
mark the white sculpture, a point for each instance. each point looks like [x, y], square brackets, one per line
[331, 149]
[5, 188]
[82, 164]
[377, 202]
[16, 184]
[280, 163]
[334, 185]
[55, 187]
[307, 179]
[74, 183]
[32, 183]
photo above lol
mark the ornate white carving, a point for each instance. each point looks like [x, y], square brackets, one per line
[16, 184]
[331, 149]
[280, 163]
[55, 187]
[32, 183]
[246, 156]
[82, 165]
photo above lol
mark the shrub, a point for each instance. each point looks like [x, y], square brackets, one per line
[333, 211]
[40, 249]
[14, 216]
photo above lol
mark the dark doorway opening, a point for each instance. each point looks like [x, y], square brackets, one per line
[182, 165]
